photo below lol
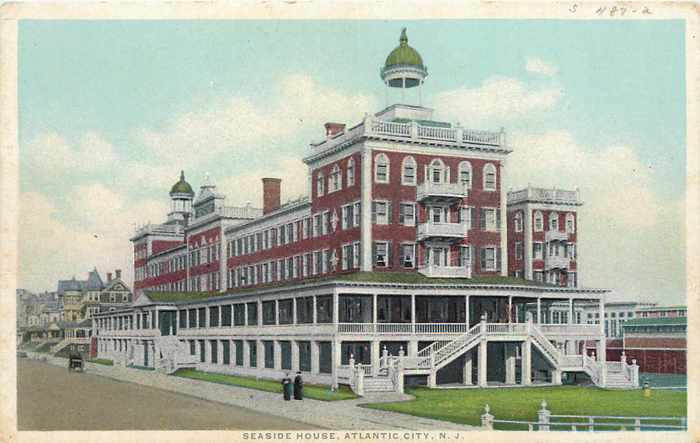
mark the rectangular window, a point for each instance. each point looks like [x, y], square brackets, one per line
[489, 259]
[304, 356]
[347, 217]
[518, 250]
[407, 214]
[381, 254]
[253, 353]
[355, 309]
[408, 255]
[239, 314]
[286, 311]
[356, 214]
[490, 219]
[305, 310]
[226, 315]
[465, 216]
[317, 225]
[269, 314]
[183, 318]
[252, 313]
[356, 255]
[201, 313]
[346, 257]
[192, 323]
[537, 250]
[214, 345]
[326, 226]
[239, 352]
[465, 256]
[380, 213]
[269, 354]
[325, 357]
[214, 316]
[324, 309]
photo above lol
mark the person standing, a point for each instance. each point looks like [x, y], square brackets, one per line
[298, 387]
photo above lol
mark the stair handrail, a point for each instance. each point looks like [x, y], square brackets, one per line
[592, 367]
[457, 344]
[544, 342]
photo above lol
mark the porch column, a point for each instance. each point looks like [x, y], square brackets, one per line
[466, 311]
[276, 345]
[375, 357]
[277, 312]
[155, 319]
[295, 355]
[314, 357]
[221, 308]
[220, 352]
[510, 363]
[482, 363]
[314, 313]
[260, 354]
[294, 313]
[467, 369]
[539, 311]
[526, 356]
[412, 348]
[556, 376]
[374, 309]
[335, 307]
[336, 359]
[571, 311]
[246, 354]
[413, 313]
[510, 307]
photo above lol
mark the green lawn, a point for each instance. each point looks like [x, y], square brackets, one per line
[101, 361]
[466, 405]
[316, 392]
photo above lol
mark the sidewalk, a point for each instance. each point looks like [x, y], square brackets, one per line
[336, 415]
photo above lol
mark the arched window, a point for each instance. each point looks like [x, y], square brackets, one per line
[538, 221]
[381, 169]
[351, 172]
[553, 221]
[465, 174]
[437, 173]
[408, 171]
[489, 177]
[336, 179]
[570, 223]
[320, 184]
[518, 221]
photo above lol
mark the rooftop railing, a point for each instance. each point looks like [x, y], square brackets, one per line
[554, 195]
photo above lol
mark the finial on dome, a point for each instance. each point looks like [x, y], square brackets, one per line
[404, 38]
[182, 174]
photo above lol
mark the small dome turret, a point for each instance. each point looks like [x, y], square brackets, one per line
[404, 66]
[182, 187]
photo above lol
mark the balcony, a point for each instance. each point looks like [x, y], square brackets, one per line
[436, 192]
[556, 262]
[446, 271]
[555, 236]
[455, 231]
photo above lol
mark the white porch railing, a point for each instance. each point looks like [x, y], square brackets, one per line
[506, 328]
[569, 329]
[446, 271]
[444, 230]
[556, 262]
[401, 328]
[437, 133]
[555, 235]
[451, 190]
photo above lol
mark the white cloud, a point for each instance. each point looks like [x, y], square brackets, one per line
[503, 98]
[53, 153]
[538, 66]
[241, 125]
[630, 238]
[95, 233]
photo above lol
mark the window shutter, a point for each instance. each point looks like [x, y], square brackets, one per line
[389, 255]
[498, 219]
[374, 253]
[388, 213]
[482, 219]
[482, 261]
[374, 213]
[470, 214]
[498, 259]
[402, 218]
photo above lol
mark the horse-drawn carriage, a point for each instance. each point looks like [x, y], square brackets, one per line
[76, 361]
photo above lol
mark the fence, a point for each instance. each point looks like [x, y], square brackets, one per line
[546, 421]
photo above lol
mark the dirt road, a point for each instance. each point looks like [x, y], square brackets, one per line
[51, 398]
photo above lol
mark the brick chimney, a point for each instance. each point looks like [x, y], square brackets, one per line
[271, 194]
[118, 272]
[333, 128]
[109, 277]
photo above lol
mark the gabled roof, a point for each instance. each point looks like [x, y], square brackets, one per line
[94, 281]
[70, 285]
[116, 282]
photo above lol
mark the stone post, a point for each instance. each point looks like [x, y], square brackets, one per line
[543, 417]
[487, 419]
[635, 372]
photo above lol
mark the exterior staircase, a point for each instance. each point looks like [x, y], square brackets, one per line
[174, 354]
[378, 384]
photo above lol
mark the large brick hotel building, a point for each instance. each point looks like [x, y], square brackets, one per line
[407, 257]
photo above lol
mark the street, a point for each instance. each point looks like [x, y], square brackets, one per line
[51, 398]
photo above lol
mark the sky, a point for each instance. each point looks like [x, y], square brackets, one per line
[111, 111]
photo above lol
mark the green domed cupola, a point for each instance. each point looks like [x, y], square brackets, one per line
[404, 66]
[182, 187]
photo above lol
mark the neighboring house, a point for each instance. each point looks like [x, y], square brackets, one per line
[72, 293]
[658, 343]
[91, 294]
[116, 294]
